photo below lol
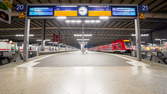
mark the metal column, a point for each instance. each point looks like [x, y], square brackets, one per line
[138, 39]
[44, 33]
[26, 39]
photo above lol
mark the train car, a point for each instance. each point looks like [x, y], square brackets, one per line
[7, 51]
[121, 46]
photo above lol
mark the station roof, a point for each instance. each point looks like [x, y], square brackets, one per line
[103, 33]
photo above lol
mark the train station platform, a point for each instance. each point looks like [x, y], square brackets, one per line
[77, 73]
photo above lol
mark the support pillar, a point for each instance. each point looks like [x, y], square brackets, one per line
[43, 35]
[26, 40]
[138, 39]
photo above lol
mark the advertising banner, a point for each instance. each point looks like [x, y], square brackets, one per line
[5, 10]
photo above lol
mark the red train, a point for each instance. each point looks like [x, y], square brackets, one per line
[119, 46]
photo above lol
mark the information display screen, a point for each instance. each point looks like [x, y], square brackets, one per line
[99, 11]
[81, 10]
[40, 11]
[124, 11]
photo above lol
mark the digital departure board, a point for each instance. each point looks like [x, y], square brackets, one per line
[99, 11]
[40, 11]
[81, 10]
[124, 11]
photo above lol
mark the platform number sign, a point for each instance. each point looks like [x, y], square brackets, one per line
[143, 8]
[20, 7]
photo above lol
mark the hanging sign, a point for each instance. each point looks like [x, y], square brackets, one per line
[40, 11]
[99, 11]
[127, 11]
[83, 10]
[5, 11]
[65, 11]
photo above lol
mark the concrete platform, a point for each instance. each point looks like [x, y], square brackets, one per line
[46, 76]
[79, 59]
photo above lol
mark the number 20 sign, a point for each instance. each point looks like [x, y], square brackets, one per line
[20, 7]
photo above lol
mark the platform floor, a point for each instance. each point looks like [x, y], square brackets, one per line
[101, 73]
[79, 59]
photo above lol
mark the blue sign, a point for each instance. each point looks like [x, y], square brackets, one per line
[143, 8]
[20, 7]
[40, 11]
[127, 11]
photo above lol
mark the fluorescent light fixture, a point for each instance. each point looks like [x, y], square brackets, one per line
[92, 21]
[83, 39]
[78, 21]
[67, 21]
[80, 35]
[73, 21]
[97, 21]
[47, 40]
[160, 39]
[104, 17]
[143, 35]
[21, 35]
[38, 40]
[87, 21]
[61, 17]
[42, 40]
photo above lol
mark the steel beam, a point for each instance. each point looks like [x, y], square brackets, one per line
[73, 28]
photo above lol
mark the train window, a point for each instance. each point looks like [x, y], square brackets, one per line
[127, 44]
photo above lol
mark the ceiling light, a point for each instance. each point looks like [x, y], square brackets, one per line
[22, 35]
[61, 17]
[87, 21]
[73, 21]
[104, 17]
[142, 35]
[83, 39]
[85, 35]
[67, 21]
[78, 21]
[38, 40]
[92, 21]
[97, 21]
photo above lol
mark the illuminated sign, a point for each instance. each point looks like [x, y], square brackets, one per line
[66, 11]
[82, 10]
[99, 11]
[40, 11]
[124, 11]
